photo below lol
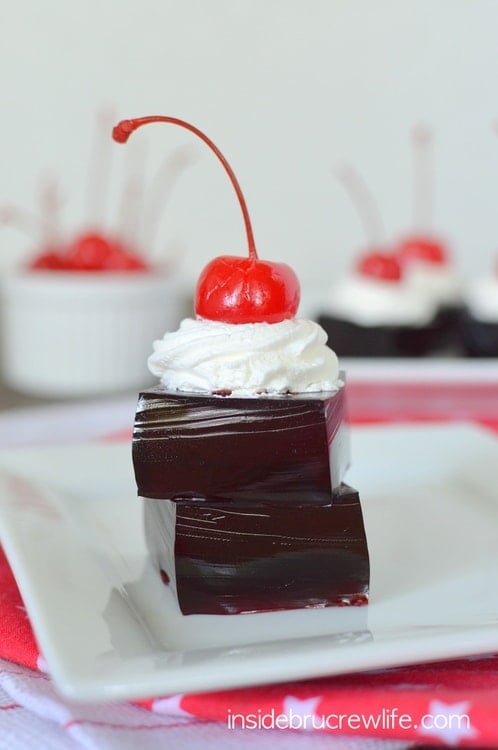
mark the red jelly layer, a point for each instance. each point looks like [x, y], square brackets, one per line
[256, 557]
[229, 449]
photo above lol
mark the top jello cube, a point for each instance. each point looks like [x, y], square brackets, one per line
[273, 449]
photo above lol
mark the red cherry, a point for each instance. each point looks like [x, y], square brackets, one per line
[234, 289]
[50, 260]
[423, 249]
[88, 252]
[94, 252]
[379, 266]
[121, 259]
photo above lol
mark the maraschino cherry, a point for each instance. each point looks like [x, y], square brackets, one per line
[48, 260]
[93, 251]
[422, 248]
[380, 266]
[233, 289]
[90, 251]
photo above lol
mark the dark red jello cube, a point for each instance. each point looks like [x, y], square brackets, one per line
[292, 448]
[254, 557]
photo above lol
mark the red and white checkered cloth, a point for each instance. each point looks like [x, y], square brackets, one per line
[33, 715]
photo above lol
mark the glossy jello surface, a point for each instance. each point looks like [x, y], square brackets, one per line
[232, 449]
[261, 556]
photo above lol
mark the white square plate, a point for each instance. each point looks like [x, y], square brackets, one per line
[109, 629]
[431, 370]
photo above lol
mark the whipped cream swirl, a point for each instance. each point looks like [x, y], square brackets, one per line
[247, 359]
[375, 302]
[440, 282]
[481, 299]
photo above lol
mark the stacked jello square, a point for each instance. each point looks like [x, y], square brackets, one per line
[241, 451]
[245, 506]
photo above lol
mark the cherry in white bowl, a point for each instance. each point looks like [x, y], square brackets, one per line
[71, 334]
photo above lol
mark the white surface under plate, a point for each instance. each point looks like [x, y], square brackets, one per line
[109, 629]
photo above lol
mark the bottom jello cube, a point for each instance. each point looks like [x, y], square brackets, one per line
[254, 557]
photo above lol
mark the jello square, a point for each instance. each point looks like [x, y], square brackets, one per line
[253, 557]
[287, 448]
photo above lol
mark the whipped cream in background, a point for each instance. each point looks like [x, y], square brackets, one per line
[247, 359]
[440, 281]
[481, 299]
[374, 302]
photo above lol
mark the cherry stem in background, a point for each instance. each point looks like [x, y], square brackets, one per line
[99, 173]
[23, 220]
[125, 128]
[50, 205]
[364, 202]
[423, 178]
[160, 191]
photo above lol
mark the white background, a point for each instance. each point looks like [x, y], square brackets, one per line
[287, 89]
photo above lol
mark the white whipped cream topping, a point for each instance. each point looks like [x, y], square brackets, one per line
[481, 299]
[247, 359]
[439, 281]
[375, 302]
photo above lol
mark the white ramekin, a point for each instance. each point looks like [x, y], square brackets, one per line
[70, 334]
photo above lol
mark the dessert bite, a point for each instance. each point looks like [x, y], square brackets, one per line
[429, 269]
[479, 318]
[431, 274]
[373, 312]
[240, 452]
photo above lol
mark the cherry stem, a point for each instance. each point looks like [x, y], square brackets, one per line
[22, 220]
[364, 202]
[125, 128]
[50, 205]
[423, 177]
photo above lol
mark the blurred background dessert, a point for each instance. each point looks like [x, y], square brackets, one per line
[375, 312]
[479, 321]
[78, 311]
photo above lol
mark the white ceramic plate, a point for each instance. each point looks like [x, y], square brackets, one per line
[424, 369]
[108, 628]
